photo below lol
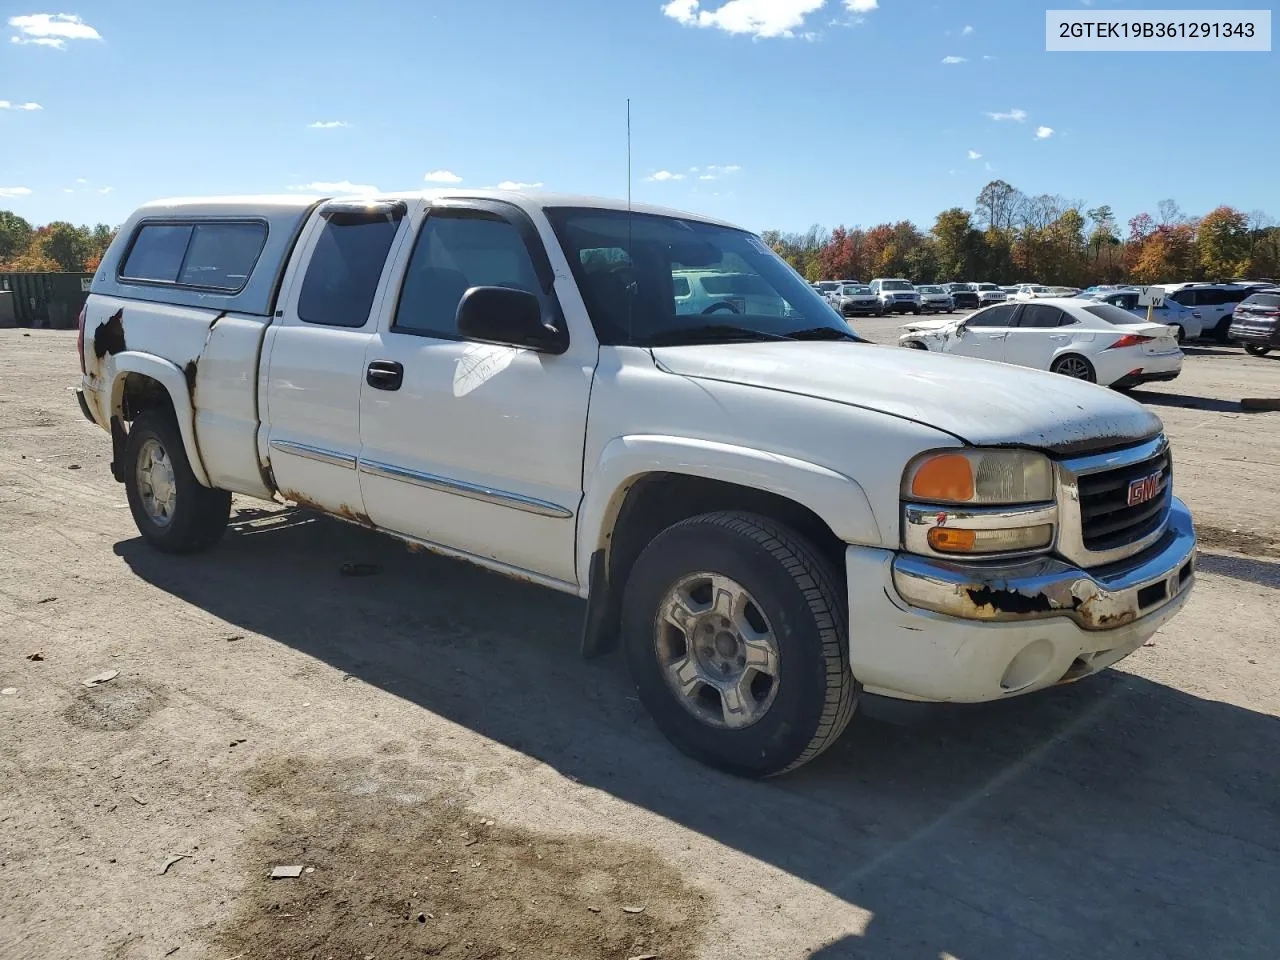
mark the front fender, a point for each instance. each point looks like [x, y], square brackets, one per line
[837, 499]
[174, 380]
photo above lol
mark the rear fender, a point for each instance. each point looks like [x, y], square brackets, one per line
[174, 380]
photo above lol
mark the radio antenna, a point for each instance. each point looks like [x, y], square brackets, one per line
[631, 287]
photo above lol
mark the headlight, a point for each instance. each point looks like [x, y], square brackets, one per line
[979, 477]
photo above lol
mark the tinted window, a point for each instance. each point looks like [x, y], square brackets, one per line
[157, 252]
[452, 255]
[1113, 314]
[343, 274]
[1231, 296]
[1039, 315]
[222, 255]
[895, 285]
[995, 317]
[1188, 298]
[680, 285]
[1264, 300]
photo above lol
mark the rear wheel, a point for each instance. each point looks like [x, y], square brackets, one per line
[915, 345]
[1179, 333]
[1222, 332]
[737, 636]
[1075, 366]
[173, 511]
[1256, 349]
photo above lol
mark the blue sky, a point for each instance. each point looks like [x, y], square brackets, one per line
[792, 111]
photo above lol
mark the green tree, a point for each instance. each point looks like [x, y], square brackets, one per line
[956, 244]
[66, 245]
[1223, 243]
[15, 235]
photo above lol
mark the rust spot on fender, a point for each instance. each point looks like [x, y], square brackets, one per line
[189, 371]
[109, 337]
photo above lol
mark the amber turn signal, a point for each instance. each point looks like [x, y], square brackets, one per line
[946, 478]
[948, 540]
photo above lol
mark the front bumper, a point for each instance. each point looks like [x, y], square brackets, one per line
[969, 632]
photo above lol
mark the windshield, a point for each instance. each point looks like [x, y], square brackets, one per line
[986, 286]
[627, 266]
[828, 286]
[895, 285]
[855, 289]
[930, 289]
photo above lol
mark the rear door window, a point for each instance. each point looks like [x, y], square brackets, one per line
[157, 252]
[222, 255]
[345, 268]
[1039, 315]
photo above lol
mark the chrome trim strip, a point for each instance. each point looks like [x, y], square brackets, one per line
[317, 454]
[1071, 532]
[919, 519]
[471, 491]
[1048, 587]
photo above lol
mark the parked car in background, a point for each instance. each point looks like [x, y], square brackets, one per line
[1187, 323]
[828, 289]
[1097, 342]
[1215, 302]
[715, 292]
[963, 296]
[988, 293]
[1255, 322]
[856, 299]
[1009, 292]
[896, 296]
[1064, 291]
[935, 298]
[1032, 291]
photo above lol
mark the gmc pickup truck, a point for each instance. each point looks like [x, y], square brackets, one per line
[766, 512]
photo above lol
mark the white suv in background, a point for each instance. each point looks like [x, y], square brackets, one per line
[1215, 302]
[896, 296]
[988, 293]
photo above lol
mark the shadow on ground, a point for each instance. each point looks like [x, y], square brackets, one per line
[1161, 399]
[1113, 818]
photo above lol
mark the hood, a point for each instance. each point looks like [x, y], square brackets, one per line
[938, 323]
[980, 402]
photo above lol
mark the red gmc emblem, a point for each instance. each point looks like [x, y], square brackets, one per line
[1145, 488]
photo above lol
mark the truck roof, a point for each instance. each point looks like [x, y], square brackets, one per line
[265, 204]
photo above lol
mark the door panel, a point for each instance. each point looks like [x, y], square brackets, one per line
[479, 449]
[315, 365]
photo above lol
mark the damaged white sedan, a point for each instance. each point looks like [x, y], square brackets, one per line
[1089, 341]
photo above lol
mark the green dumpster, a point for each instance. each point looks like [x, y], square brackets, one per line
[47, 299]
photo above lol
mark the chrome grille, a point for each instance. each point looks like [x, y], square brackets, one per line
[1107, 521]
[1098, 524]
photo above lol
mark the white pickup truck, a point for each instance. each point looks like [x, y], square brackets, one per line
[768, 513]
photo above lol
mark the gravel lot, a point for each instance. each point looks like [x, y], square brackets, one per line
[457, 783]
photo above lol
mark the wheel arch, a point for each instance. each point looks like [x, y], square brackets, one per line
[142, 381]
[644, 484]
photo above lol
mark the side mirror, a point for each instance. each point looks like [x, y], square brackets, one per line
[509, 317]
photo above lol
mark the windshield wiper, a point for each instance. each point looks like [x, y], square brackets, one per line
[825, 333]
[713, 333]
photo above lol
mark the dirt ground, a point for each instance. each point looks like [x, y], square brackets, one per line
[455, 782]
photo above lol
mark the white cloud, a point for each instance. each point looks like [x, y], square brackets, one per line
[715, 171]
[6, 105]
[760, 18]
[335, 187]
[1044, 133]
[81, 180]
[989, 166]
[663, 175]
[51, 29]
[861, 6]
[966, 31]
[974, 155]
[1018, 116]
[15, 191]
[955, 59]
[67, 190]
[518, 185]
[327, 124]
[988, 57]
[442, 176]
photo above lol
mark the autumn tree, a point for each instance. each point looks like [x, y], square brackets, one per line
[1223, 243]
[15, 235]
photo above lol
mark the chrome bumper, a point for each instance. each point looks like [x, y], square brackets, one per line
[1102, 599]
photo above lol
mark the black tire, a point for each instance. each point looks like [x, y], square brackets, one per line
[1062, 361]
[1256, 349]
[915, 345]
[1179, 333]
[951, 310]
[798, 593]
[916, 311]
[1222, 332]
[199, 514]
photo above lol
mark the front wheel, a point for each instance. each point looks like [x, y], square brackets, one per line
[736, 634]
[1256, 350]
[1075, 366]
[173, 511]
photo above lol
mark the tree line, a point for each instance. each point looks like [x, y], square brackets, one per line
[1011, 237]
[58, 247]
